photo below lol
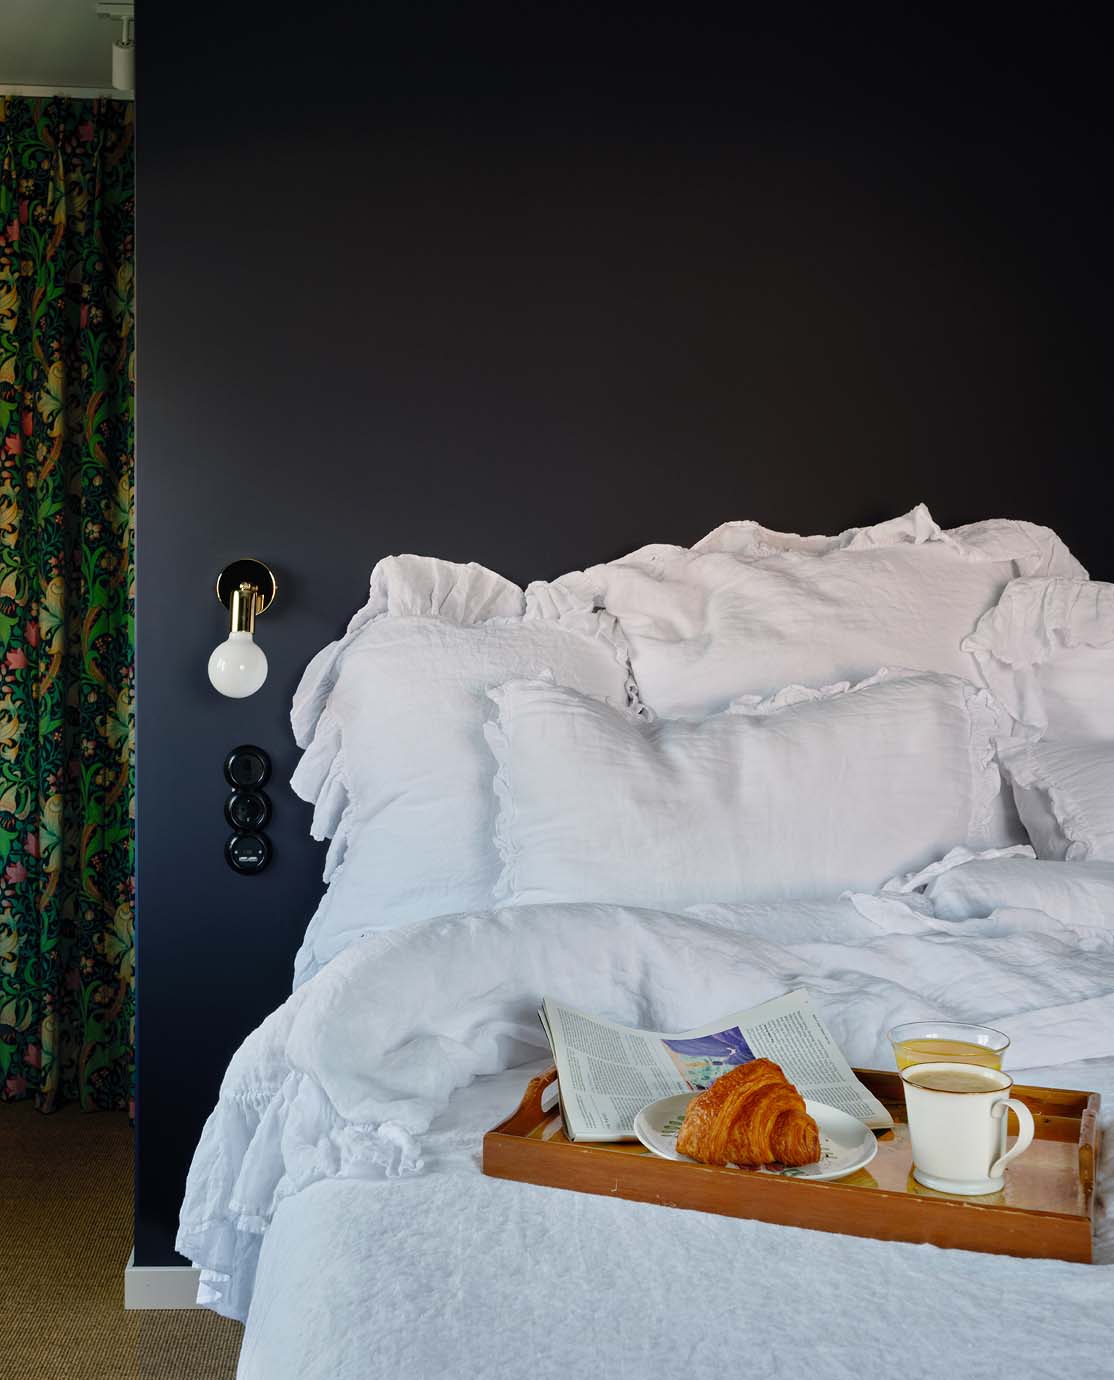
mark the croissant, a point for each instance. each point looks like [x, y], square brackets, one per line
[752, 1115]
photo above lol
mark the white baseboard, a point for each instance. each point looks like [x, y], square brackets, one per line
[160, 1286]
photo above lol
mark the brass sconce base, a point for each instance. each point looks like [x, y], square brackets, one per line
[247, 571]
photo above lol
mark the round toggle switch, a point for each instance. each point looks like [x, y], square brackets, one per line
[247, 767]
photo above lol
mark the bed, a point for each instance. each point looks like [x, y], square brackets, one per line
[499, 771]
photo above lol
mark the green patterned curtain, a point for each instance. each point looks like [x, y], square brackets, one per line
[66, 600]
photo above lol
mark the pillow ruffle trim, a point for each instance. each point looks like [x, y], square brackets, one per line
[1034, 550]
[320, 779]
[1024, 770]
[505, 845]
[789, 695]
[1033, 621]
[989, 722]
[421, 587]
[908, 882]
[749, 539]
[406, 587]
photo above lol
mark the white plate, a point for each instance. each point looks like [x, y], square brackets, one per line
[845, 1143]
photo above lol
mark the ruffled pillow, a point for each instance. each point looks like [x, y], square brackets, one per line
[748, 610]
[1078, 894]
[405, 587]
[1047, 651]
[391, 717]
[805, 794]
[1065, 797]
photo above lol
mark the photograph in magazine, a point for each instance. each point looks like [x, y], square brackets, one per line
[701, 1061]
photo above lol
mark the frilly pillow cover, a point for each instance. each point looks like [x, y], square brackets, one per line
[748, 610]
[395, 763]
[1047, 651]
[803, 795]
[1065, 797]
[1074, 893]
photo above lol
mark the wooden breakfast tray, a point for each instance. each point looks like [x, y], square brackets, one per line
[1045, 1210]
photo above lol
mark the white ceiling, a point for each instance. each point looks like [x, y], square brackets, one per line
[55, 43]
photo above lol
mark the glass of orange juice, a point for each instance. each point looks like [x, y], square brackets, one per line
[947, 1042]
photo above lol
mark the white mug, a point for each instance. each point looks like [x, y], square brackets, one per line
[957, 1124]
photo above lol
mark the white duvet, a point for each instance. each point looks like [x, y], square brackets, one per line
[335, 1199]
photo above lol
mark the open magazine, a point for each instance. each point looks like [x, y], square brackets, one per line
[607, 1073]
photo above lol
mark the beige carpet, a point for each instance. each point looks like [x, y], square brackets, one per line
[65, 1237]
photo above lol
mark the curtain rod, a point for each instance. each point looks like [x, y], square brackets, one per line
[83, 92]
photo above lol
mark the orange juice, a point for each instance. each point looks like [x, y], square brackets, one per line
[940, 1051]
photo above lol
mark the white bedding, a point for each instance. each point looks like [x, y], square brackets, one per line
[346, 1134]
[456, 1275]
[747, 610]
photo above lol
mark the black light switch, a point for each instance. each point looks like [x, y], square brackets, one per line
[247, 769]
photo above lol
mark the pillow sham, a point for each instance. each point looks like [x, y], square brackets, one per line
[748, 610]
[1075, 893]
[395, 763]
[805, 795]
[1065, 797]
[1046, 650]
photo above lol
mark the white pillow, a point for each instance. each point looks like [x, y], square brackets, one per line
[396, 765]
[1065, 797]
[1047, 651]
[748, 610]
[400, 587]
[1073, 893]
[803, 795]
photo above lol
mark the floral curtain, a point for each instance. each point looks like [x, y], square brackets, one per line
[66, 600]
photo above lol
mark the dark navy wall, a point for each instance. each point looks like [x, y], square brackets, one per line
[532, 289]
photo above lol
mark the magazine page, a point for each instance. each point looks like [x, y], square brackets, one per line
[788, 1031]
[608, 1072]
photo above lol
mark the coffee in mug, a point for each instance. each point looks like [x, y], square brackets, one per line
[954, 1078]
[957, 1126]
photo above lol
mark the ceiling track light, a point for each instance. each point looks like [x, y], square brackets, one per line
[123, 50]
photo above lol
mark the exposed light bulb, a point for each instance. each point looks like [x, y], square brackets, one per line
[238, 667]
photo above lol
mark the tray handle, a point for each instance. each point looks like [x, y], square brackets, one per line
[1088, 1144]
[529, 1112]
[535, 1090]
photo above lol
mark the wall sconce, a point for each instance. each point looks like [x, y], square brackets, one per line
[238, 667]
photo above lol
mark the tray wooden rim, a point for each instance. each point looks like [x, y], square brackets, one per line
[1059, 1110]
